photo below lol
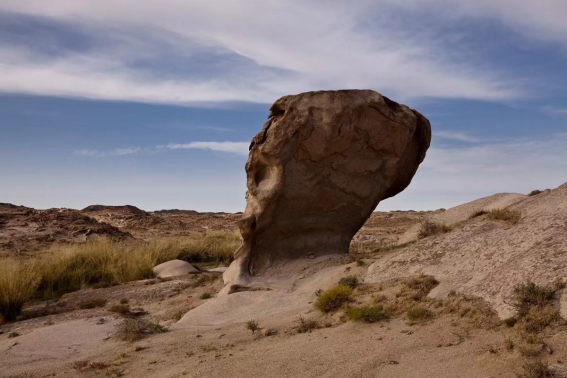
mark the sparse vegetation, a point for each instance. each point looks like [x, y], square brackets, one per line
[136, 329]
[430, 228]
[208, 348]
[206, 296]
[18, 282]
[536, 369]
[418, 287]
[534, 307]
[368, 314]
[477, 214]
[252, 325]
[509, 216]
[535, 192]
[120, 309]
[103, 263]
[419, 313]
[306, 325]
[92, 303]
[350, 281]
[528, 350]
[333, 298]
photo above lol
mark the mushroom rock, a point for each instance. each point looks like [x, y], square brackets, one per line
[317, 170]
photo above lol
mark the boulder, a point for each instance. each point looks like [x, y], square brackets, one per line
[174, 268]
[318, 169]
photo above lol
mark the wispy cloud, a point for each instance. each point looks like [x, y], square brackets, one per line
[243, 57]
[114, 152]
[456, 136]
[240, 148]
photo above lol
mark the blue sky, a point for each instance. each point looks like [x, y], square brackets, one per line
[154, 103]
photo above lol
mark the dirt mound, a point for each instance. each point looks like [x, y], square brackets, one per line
[27, 230]
[488, 258]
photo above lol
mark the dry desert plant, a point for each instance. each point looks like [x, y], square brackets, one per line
[430, 228]
[368, 314]
[333, 298]
[509, 216]
[252, 325]
[536, 369]
[92, 303]
[18, 282]
[306, 325]
[136, 329]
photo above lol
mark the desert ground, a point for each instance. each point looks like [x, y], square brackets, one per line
[446, 293]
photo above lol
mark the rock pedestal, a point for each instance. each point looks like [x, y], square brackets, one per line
[317, 170]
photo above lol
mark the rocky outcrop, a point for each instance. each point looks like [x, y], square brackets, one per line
[317, 170]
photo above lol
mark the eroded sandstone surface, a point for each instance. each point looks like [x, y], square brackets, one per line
[317, 170]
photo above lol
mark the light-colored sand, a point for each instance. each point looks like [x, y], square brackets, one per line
[486, 258]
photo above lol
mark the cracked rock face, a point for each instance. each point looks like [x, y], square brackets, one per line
[317, 170]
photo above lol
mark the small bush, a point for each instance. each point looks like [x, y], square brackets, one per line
[306, 325]
[124, 301]
[535, 193]
[477, 214]
[350, 281]
[333, 298]
[510, 322]
[528, 350]
[536, 370]
[430, 228]
[510, 216]
[92, 303]
[252, 325]
[368, 314]
[528, 295]
[538, 318]
[136, 329]
[419, 287]
[18, 282]
[120, 309]
[206, 296]
[419, 313]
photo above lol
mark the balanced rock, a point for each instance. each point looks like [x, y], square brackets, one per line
[174, 268]
[318, 169]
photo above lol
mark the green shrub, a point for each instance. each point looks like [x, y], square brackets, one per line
[368, 314]
[419, 313]
[528, 295]
[333, 298]
[350, 281]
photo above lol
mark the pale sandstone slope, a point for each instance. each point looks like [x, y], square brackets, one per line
[486, 258]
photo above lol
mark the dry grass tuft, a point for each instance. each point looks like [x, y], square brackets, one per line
[534, 306]
[535, 193]
[253, 325]
[509, 216]
[368, 314]
[418, 287]
[92, 303]
[419, 314]
[536, 370]
[122, 309]
[333, 298]
[430, 228]
[136, 329]
[18, 282]
[306, 325]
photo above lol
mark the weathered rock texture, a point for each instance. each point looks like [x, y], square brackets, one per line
[317, 170]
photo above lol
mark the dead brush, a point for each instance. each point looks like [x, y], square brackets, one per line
[509, 216]
[253, 326]
[136, 329]
[537, 369]
[429, 228]
[418, 287]
[306, 325]
[534, 307]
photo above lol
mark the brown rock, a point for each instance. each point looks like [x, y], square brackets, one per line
[317, 170]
